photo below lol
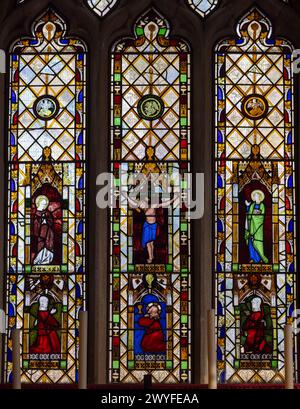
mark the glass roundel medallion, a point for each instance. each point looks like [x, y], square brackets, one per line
[151, 107]
[255, 106]
[46, 107]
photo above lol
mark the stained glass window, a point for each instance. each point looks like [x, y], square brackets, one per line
[46, 200]
[102, 7]
[150, 248]
[203, 7]
[255, 206]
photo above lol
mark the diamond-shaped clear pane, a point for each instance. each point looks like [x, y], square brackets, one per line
[203, 7]
[102, 7]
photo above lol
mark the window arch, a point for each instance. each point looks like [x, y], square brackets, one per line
[150, 256]
[185, 24]
[255, 245]
[47, 197]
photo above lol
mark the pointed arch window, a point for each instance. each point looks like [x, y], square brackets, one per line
[150, 256]
[255, 208]
[203, 7]
[46, 200]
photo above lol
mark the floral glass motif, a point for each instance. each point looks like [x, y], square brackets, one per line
[46, 201]
[203, 7]
[255, 207]
[150, 282]
[102, 7]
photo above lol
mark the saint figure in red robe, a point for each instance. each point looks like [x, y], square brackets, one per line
[47, 341]
[254, 329]
[153, 339]
[43, 231]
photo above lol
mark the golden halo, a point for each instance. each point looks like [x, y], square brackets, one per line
[260, 193]
[40, 198]
[153, 304]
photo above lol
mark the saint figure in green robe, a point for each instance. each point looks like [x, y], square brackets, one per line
[254, 228]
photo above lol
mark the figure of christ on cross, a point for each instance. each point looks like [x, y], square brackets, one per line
[150, 226]
[149, 233]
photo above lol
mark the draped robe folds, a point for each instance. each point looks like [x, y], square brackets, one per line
[149, 233]
[254, 329]
[43, 231]
[47, 341]
[153, 340]
[254, 233]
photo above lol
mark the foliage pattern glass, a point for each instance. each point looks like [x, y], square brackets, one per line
[46, 201]
[254, 201]
[150, 134]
